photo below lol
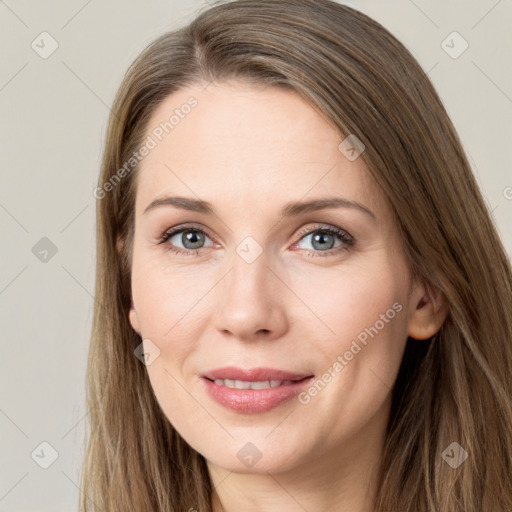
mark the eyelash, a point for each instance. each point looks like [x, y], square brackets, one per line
[348, 240]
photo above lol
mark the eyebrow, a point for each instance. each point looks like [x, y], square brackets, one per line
[292, 209]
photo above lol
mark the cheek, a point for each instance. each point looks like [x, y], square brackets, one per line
[167, 296]
[350, 298]
[170, 313]
[365, 308]
[168, 307]
[361, 313]
[178, 403]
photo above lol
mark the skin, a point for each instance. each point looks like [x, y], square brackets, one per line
[250, 150]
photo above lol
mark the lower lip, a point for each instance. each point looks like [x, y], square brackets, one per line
[252, 401]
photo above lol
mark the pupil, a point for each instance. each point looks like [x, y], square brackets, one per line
[194, 238]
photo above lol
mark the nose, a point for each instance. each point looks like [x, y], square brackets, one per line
[250, 301]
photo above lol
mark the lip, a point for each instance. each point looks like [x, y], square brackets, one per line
[253, 401]
[253, 374]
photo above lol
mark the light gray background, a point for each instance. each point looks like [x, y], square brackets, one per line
[53, 115]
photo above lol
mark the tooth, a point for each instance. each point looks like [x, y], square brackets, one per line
[260, 385]
[241, 384]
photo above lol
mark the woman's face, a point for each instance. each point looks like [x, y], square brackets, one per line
[258, 284]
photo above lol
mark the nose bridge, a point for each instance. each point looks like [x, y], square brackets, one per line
[249, 277]
[248, 302]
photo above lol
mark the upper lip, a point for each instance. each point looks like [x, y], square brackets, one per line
[253, 374]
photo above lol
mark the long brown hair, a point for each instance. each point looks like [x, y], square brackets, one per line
[364, 81]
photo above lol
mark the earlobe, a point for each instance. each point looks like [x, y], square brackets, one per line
[119, 244]
[134, 319]
[132, 315]
[429, 309]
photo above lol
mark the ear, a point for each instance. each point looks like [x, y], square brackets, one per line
[134, 319]
[428, 311]
[132, 315]
[119, 244]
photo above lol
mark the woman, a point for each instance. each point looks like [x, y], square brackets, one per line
[237, 362]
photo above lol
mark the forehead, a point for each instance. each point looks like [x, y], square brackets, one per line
[244, 144]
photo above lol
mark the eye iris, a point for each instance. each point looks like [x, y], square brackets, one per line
[320, 237]
[193, 237]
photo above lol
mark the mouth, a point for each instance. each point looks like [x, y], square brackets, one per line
[254, 390]
[243, 384]
[253, 374]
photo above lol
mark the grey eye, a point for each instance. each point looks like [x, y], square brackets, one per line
[321, 240]
[190, 238]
